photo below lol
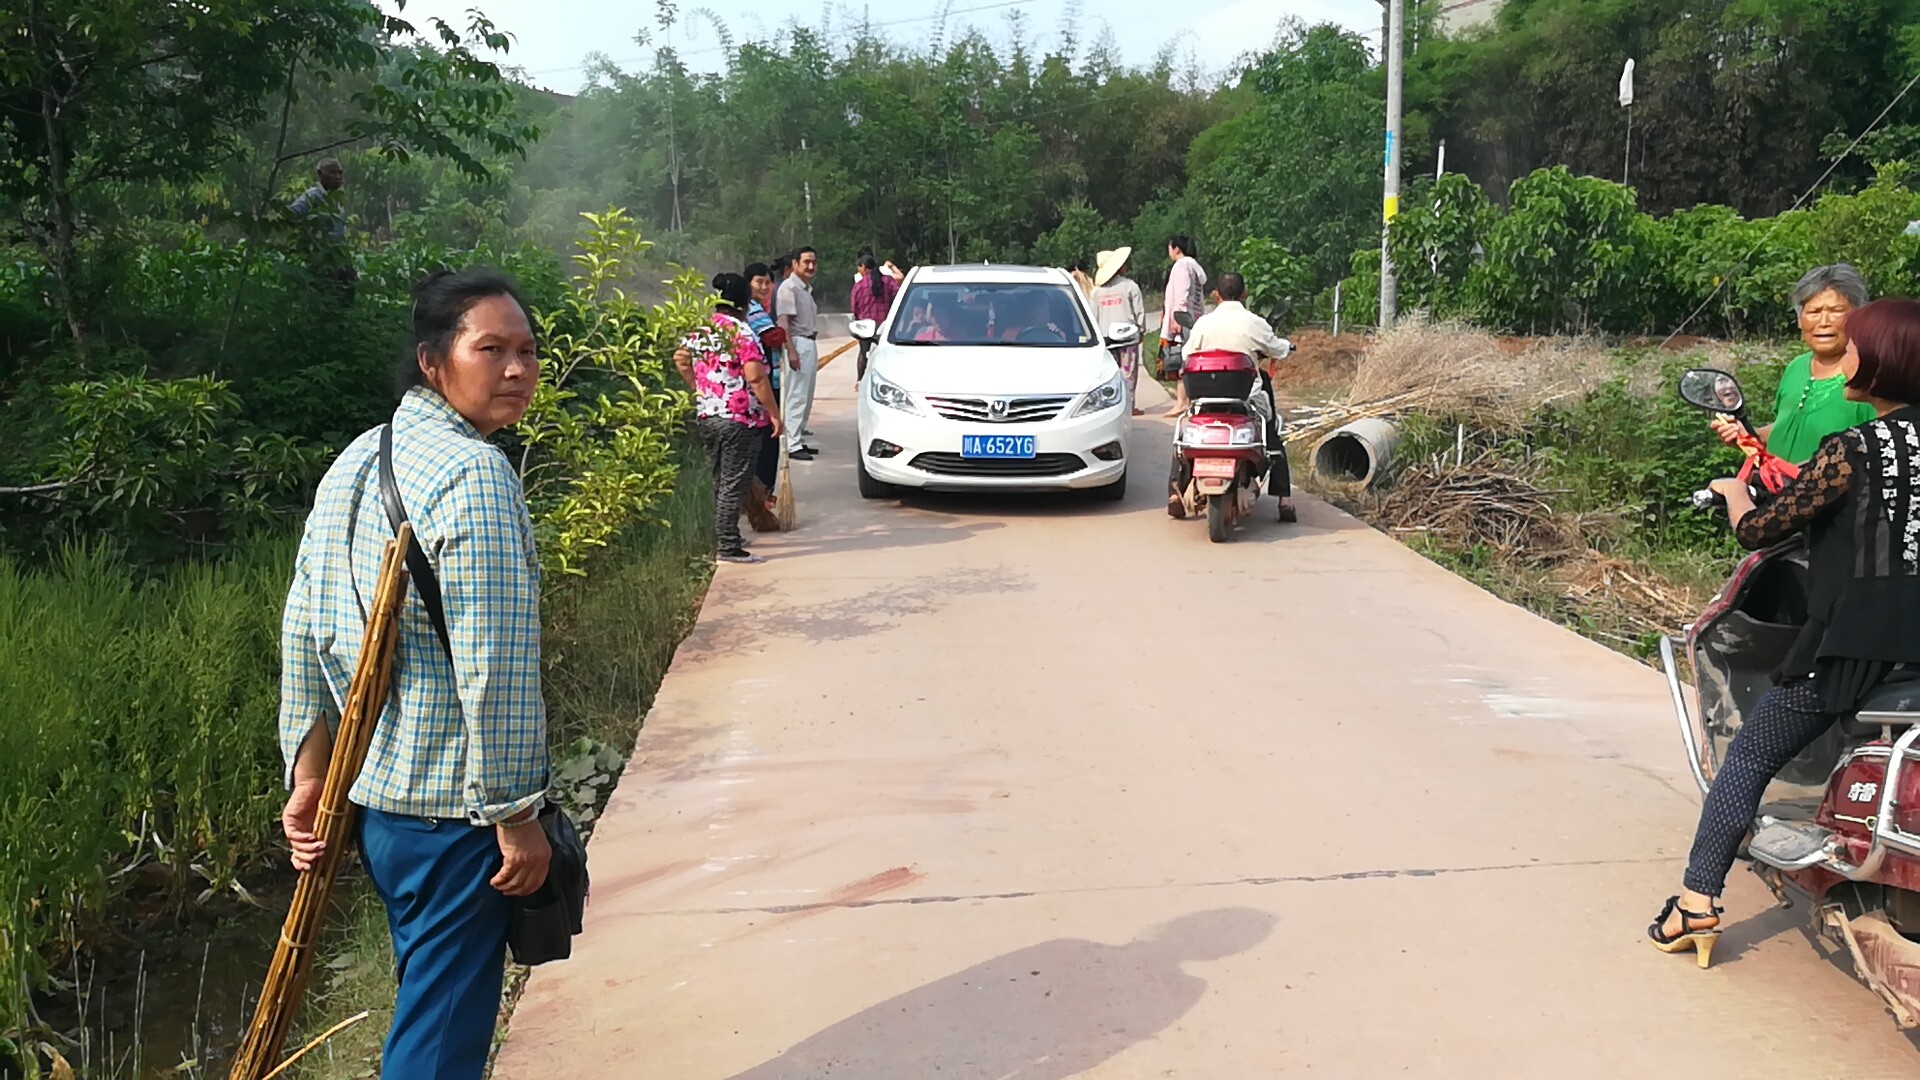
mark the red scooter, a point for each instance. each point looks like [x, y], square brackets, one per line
[1221, 458]
[1840, 829]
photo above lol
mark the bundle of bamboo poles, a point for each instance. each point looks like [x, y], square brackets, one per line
[286, 981]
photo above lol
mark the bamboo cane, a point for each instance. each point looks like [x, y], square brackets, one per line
[286, 980]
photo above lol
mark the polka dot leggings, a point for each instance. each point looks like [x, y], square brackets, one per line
[1786, 721]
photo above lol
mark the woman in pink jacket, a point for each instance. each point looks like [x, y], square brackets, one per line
[873, 293]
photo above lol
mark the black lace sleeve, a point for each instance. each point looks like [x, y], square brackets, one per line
[1823, 484]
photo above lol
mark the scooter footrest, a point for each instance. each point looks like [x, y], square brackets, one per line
[1790, 845]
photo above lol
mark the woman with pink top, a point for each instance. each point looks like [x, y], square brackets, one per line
[733, 406]
[873, 293]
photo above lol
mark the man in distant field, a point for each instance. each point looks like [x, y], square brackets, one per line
[1230, 327]
[800, 318]
[324, 205]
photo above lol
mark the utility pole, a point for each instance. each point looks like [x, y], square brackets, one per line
[806, 188]
[1390, 199]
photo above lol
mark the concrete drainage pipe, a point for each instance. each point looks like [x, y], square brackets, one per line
[1357, 453]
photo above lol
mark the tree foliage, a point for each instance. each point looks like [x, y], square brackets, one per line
[1738, 102]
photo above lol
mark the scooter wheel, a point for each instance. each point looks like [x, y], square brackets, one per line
[1217, 517]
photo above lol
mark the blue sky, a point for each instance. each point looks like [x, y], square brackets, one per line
[555, 36]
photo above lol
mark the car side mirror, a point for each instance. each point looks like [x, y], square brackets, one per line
[864, 329]
[1122, 334]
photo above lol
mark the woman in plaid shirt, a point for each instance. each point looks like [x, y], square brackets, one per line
[453, 784]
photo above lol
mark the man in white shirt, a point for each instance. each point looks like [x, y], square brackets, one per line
[799, 317]
[1230, 327]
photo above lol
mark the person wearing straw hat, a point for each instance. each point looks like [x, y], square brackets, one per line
[457, 771]
[1116, 300]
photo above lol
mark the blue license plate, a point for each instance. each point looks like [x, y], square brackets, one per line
[997, 446]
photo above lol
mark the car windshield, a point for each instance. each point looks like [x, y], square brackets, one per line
[979, 313]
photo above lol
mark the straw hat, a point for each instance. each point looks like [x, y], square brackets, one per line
[1108, 263]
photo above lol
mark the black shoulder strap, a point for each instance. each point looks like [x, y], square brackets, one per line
[419, 570]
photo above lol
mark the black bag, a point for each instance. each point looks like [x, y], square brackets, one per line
[543, 924]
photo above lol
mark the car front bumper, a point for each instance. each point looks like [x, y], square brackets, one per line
[929, 455]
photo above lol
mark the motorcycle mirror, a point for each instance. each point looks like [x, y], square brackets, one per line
[1713, 390]
[1184, 318]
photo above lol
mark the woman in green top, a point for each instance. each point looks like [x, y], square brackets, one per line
[1812, 403]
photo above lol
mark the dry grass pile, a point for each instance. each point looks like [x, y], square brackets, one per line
[1481, 503]
[1617, 592]
[1448, 369]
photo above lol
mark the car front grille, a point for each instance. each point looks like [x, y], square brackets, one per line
[1041, 465]
[1023, 410]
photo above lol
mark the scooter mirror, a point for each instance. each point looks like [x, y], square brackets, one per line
[1713, 390]
[1184, 318]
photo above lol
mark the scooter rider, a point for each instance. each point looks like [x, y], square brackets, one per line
[1230, 327]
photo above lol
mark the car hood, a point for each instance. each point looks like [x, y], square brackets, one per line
[992, 370]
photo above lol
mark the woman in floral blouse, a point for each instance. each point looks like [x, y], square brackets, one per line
[734, 407]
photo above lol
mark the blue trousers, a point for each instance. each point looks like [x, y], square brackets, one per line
[449, 941]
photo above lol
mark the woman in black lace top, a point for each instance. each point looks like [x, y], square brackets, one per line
[1858, 502]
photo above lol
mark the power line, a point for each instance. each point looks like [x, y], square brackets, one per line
[1779, 219]
[876, 26]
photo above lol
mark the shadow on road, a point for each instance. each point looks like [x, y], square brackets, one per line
[1045, 1012]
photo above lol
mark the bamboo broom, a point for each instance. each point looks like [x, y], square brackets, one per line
[286, 981]
[786, 514]
[783, 508]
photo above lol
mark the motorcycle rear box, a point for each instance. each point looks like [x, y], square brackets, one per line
[1217, 374]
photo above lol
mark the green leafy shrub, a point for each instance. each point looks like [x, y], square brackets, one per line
[597, 441]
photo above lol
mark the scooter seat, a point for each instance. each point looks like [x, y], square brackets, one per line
[1899, 694]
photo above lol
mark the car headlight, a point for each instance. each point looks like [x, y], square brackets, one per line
[1103, 397]
[885, 393]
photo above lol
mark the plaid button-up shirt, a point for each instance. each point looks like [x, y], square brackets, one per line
[467, 744]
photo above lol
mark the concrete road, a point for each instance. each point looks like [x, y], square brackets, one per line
[1023, 789]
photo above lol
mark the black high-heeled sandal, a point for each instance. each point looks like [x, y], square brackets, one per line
[1701, 940]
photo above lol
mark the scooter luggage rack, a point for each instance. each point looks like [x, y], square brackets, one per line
[1887, 833]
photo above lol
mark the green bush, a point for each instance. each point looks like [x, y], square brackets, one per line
[1572, 254]
[1637, 447]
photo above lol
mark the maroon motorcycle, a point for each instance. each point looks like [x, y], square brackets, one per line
[1840, 830]
[1223, 453]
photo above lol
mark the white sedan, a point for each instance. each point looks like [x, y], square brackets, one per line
[992, 378]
